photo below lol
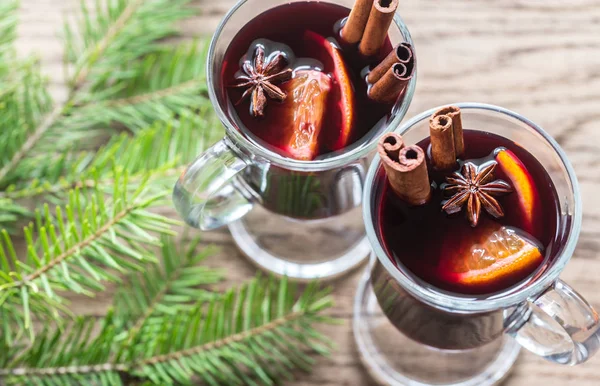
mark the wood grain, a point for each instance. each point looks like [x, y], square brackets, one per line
[540, 58]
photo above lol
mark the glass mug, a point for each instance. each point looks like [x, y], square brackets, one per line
[409, 333]
[296, 218]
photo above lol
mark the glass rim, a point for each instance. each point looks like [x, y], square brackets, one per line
[468, 304]
[343, 158]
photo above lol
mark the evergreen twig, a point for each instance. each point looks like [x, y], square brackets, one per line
[94, 51]
[31, 141]
[118, 32]
[170, 80]
[8, 29]
[25, 101]
[156, 150]
[256, 334]
[91, 236]
[159, 151]
[166, 289]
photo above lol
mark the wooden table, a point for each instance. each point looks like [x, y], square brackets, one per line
[539, 58]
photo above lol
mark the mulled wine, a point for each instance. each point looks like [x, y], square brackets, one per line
[485, 223]
[300, 83]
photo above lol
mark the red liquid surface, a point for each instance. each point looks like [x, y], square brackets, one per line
[427, 242]
[289, 24]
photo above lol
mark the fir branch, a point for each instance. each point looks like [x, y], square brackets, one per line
[155, 95]
[93, 53]
[77, 248]
[61, 188]
[31, 141]
[24, 101]
[120, 32]
[168, 81]
[168, 288]
[16, 323]
[10, 212]
[14, 73]
[73, 356]
[159, 151]
[158, 94]
[8, 29]
[257, 334]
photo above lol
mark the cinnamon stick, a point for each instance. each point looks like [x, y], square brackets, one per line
[443, 155]
[405, 168]
[380, 19]
[353, 30]
[388, 88]
[457, 128]
[391, 143]
[402, 53]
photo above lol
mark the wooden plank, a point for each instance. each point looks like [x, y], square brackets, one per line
[541, 59]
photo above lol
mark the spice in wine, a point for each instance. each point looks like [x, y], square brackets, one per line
[303, 84]
[462, 209]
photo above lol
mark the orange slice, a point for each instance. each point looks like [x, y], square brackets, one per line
[338, 133]
[302, 114]
[503, 258]
[524, 187]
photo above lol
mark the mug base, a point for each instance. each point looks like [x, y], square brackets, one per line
[392, 358]
[302, 250]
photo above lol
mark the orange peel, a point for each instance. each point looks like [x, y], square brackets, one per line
[523, 185]
[338, 134]
[505, 256]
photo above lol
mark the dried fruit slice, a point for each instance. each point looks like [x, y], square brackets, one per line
[302, 113]
[503, 256]
[525, 190]
[341, 106]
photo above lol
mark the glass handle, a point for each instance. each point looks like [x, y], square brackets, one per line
[205, 194]
[559, 325]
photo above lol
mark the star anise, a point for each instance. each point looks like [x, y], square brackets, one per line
[260, 79]
[473, 187]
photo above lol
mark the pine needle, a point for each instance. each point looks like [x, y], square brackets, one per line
[120, 32]
[260, 333]
[24, 102]
[74, 356]
[170, 80]
[80, 246]
[117, 32]
[8, 29]
[159, 151]
[166, 289]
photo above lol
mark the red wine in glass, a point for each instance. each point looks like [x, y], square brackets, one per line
[450, 254]
[327, 107]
